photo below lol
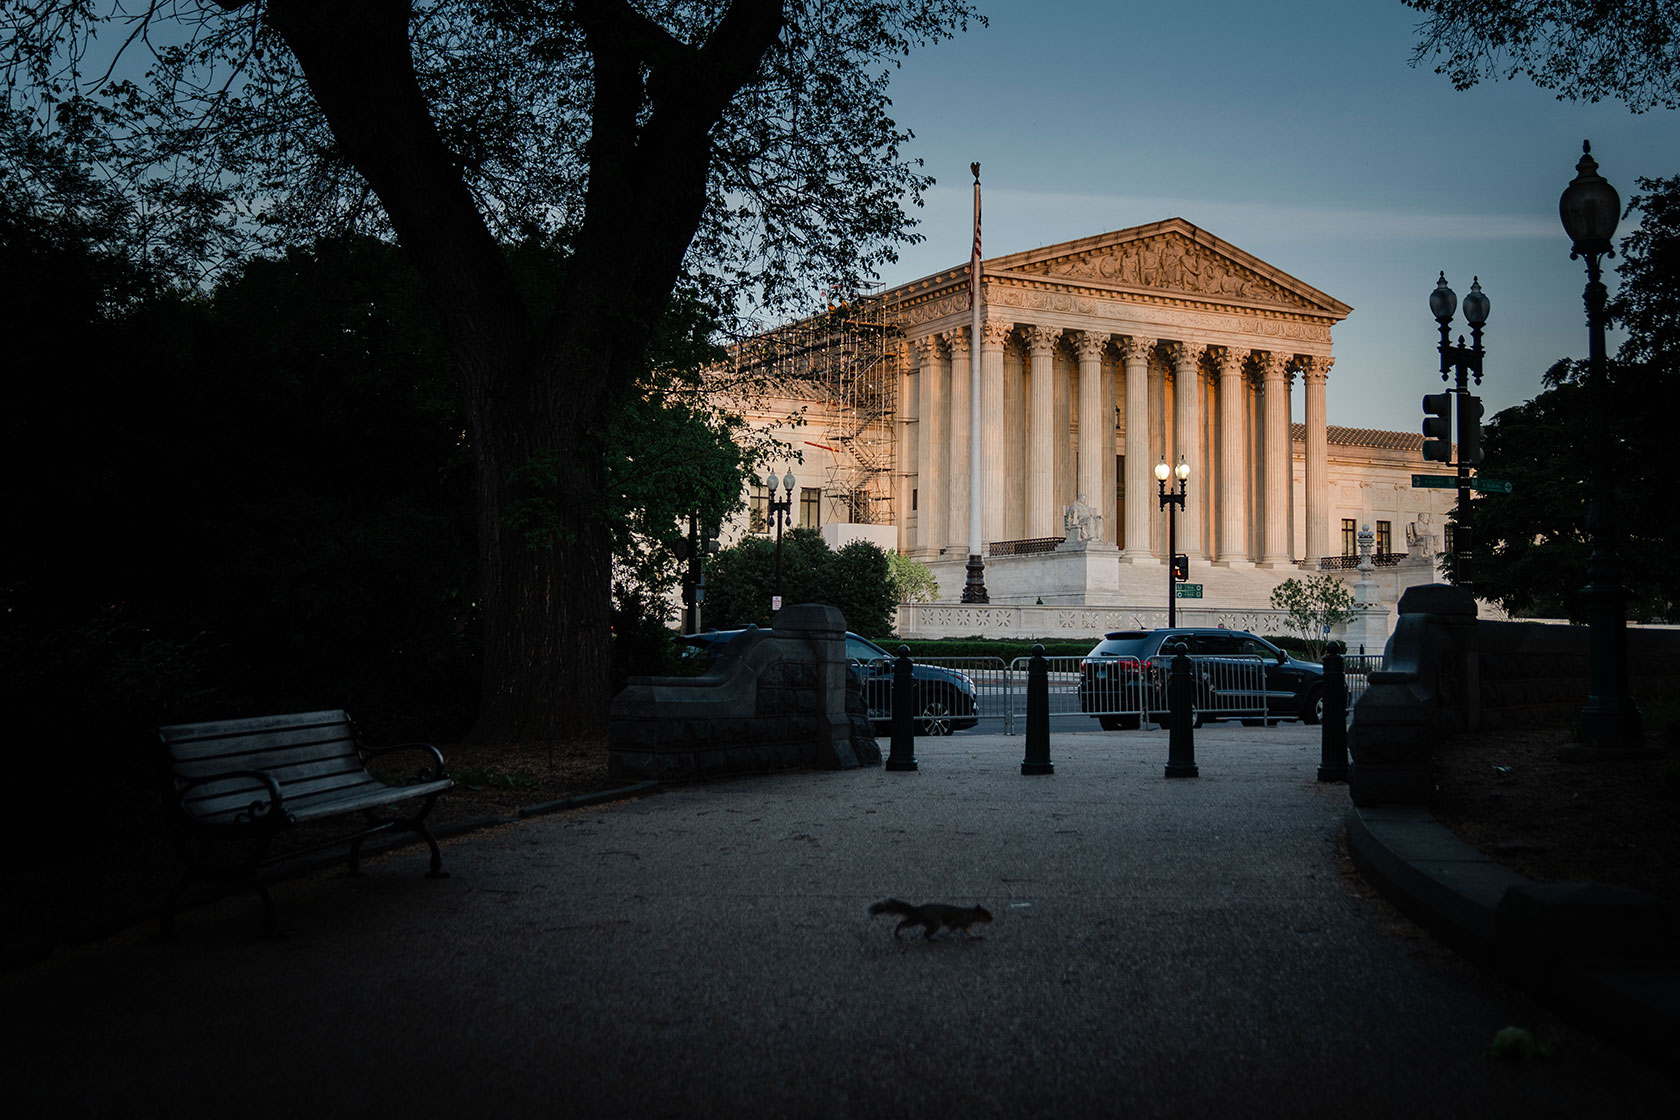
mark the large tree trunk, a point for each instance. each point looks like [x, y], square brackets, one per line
[545, 559]
[534, 397]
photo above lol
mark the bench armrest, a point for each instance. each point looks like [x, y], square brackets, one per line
[256, 813]
[427, 773]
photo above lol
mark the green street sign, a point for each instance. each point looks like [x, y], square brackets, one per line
[1434, 481]
[1490, 485]
[1188, 590]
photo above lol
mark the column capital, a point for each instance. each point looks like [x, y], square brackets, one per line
[993, 334]
[1187, 356]
[957, 340]
[924, 351]
[1089, 345]
[1041, 340]
[1136, 348]
[1275, 365]
[1317, 368]
[1231, 359]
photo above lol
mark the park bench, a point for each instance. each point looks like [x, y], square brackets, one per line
[240, 784]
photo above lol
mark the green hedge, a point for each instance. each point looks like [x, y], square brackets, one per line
[1006, 648]
[1011, 648]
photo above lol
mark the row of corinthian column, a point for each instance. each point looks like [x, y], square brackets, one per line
[1229, 420]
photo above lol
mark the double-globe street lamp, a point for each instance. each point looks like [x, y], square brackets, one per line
[779, 511]
[1169, 501]
[1466, 362]
[1590, 208]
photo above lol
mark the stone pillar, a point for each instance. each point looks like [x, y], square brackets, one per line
[1106, 373]
[1317, 544]
[931, 497]
[1233, 494]
[906, 450]
[957, 436]
[1139, 470]
[992, 336]
[1042, 520]
[1093, 448]
[1187, 441]
[1275, 539]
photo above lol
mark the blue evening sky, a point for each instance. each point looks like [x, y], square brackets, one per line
[1295, 130]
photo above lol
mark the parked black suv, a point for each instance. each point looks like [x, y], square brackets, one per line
[1123, 680]
[945, 698]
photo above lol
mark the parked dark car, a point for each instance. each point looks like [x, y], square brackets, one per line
[1123, 679]
[945, 698]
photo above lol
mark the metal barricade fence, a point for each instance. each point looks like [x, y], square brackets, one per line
[985, 678]
[1125, 692]
[1357, 669]
[1065, 690]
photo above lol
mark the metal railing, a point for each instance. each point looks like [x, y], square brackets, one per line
[1357, 669]
[988, 675]
[1132, 692]
[1027, 547]
[1348, 563]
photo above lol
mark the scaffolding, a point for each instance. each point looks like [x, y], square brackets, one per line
[841, 362]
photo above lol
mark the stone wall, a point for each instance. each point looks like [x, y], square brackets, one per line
[1445, 672]
[773, 699]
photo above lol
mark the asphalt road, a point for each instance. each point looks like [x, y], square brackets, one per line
[1161, 948]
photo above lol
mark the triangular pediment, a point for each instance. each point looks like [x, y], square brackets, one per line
[1170, 257]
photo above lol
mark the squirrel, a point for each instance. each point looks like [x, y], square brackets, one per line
[934, 916]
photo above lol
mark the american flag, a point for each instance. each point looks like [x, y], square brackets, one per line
[974, 258]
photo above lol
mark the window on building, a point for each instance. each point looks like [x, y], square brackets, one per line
[758, 510]
[1447, 539]
[912, 499]
[810, 507]
[1385, 538]
[1350, 537]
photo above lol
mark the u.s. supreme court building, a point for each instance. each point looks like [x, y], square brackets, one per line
[1099, 359]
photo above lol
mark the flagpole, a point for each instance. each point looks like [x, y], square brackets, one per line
[974, 590]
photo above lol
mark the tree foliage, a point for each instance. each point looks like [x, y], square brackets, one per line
[1314, 606]
[1533, 545]
[1623, 49]
[741, 149]
[912, 580]
[855, 578]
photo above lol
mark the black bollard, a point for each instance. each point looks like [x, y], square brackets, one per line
[1181, 715]
[903, 753]
[1333, 761]
[1038, 715]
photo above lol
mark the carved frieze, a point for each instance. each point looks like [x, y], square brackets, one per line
[1172, 263]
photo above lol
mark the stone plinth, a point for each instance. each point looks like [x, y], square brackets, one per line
[773, 699]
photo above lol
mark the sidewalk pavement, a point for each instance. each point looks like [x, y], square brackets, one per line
[1160, 948]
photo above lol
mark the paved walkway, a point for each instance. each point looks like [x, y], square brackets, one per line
[1161, 948]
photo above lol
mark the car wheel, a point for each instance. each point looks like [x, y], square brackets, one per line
[934, 717]
[1314, 710]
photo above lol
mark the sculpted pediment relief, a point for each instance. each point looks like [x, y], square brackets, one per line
[1170, 263]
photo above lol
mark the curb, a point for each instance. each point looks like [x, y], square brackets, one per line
[585, 799]
[1596, 953]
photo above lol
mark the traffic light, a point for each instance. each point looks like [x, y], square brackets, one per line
[1469, 429]
[1181, 567]
[1437, 427]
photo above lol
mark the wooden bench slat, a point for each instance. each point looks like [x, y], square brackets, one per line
[339, 738]
[255, 726]
[284, 765]
[214, 797]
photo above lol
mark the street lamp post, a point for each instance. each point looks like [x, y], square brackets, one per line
[1169, 501]
[1590, 208]
[1465, 362]
[779, 511]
